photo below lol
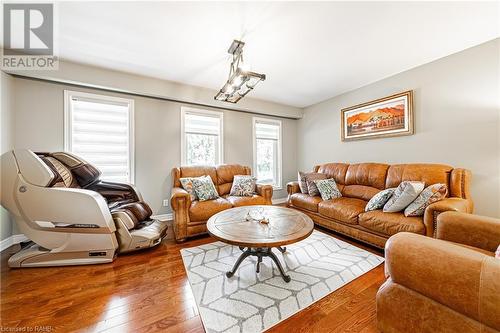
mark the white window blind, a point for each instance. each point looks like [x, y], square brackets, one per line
[201, 137]
[99, 129]
[267, 151]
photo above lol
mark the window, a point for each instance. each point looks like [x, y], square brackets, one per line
[100, 129]
[201, 141]
[267, 151]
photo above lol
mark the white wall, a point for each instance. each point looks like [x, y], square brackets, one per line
[38, 125]
[35, 121]
[457, 110]
[69, 72]
[5, 140]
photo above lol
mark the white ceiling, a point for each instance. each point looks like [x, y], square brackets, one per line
[309, 51]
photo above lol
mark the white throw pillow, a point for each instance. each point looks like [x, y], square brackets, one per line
[404, 195]
[428, 196]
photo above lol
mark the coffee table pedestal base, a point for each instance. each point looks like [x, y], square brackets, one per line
[260, 253]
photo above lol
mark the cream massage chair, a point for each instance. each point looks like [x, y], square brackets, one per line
[70, 216]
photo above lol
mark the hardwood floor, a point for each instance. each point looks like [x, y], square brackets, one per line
[148, 291]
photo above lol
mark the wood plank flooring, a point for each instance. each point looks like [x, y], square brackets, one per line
[148, 291]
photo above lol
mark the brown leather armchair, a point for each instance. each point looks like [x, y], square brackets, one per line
[449, 284]
[190, 217]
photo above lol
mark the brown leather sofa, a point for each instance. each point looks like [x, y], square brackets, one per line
[449, 284]
[190, 217]
[360, 182]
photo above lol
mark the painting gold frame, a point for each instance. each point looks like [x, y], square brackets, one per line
[408, 129]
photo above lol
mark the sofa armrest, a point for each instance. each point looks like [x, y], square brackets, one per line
[180, 198]
[473, 230]
[449, 204]
[292, 187]
[459, 278]
[266, 191]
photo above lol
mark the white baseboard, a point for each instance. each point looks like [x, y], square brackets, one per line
[163, 217]
[279, 201]
[12, 240]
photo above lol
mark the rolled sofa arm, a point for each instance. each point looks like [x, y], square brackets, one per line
[292, 187]
[449, 204]
[266, 191]
[180, 198]
[459, 278]
[180, 201]
[473, 230]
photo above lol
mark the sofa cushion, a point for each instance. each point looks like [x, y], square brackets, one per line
[336, 171]
[305, 201]
[225, 176]
[203, 210]
[342, 209]
[367, 174]
[359, 192]
[238, 201]
[427, 173]
[391, 223]
[192, 172]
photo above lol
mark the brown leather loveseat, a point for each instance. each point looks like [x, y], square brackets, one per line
[358, 183]
[448, 284]
[190, 217]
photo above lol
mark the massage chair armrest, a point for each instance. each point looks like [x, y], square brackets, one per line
[473, 230]
[266, 191]
[460, 278]
[179, 199]
[65, 206]
[116, 192]
[449, 204]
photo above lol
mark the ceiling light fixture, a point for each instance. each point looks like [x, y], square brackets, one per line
[240, 80]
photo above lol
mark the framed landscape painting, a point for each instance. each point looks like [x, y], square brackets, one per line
[384, 117]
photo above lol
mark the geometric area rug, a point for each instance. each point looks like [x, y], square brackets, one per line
[253, 302]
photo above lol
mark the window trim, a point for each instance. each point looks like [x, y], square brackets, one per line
[255, 120]
[202, 112]
[69, 94]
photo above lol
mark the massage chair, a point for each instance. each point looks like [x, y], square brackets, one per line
[69, 214]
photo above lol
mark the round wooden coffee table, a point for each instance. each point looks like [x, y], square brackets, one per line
[240, 226]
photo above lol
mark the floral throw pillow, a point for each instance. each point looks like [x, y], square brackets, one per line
[243, 186]
[187, 184]
[312, 189]
[379, 200]
[404, 195]
[204, 188]
[328, 189]
[428, 196]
